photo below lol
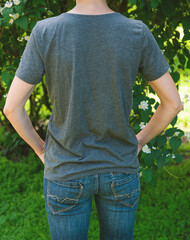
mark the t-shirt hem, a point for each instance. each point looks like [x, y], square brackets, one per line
[159, 75]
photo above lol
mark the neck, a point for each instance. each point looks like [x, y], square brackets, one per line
[91, 7]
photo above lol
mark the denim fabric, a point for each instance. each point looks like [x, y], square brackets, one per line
[68, 205]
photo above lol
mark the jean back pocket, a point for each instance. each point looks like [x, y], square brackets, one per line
[62, 196]
[126, 190]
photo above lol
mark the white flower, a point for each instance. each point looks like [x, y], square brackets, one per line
[143, 105]
[146, 149]
[11, 21]
[173, 156]
[5, 95]
[16, 2]
[167, 154]
[8, 4]
[162, 50]
[140, 174]
[176, 133]
[142, 125]
[170, 70]
[187, 134]
[14, 16]
[26, 38]
[153, 147]
[50, 12]
[20, 39]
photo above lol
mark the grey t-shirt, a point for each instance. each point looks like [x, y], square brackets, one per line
[90, 64]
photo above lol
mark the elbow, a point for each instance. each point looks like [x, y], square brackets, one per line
[6, 111]
[178, 107]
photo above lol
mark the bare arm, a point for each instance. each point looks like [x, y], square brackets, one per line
[170, 105]
[15, 112]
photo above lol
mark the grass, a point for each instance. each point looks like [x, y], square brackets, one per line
[163, 210]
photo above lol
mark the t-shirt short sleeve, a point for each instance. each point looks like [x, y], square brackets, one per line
[31, 66]
[153, 64]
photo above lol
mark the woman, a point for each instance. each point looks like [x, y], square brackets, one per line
[91, 56]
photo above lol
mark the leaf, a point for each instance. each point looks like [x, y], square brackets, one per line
[148, 175]
[157, 153]
[154, 4]
[186, 36]
[6, 77]
[168, 159]
[149, 160]
[182, 59]
[173, 122]
[188, 64]
[175, 143]
[151, 101]
[186, 52]
[175, 76]
[178, 158]
[132, 2]
[22, 22]
[6, 12]
[170, 132]
[161, 140]
[167, 8]
[42, 2]
[185, 22]
[161, 162]
[2, 103]
[32, 24]
[152, 141]
[19, 8]
[141, 3]
[1, 22]
[181, 133]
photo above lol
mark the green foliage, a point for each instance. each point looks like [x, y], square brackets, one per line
[22, 22]
[22, 214]
[9, 141]
[162, 17]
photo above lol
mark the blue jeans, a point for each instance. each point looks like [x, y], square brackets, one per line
[68, 205]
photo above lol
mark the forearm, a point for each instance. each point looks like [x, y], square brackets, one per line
[162, 117]
[22, 124]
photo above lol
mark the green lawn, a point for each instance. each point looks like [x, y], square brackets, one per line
[163, 210]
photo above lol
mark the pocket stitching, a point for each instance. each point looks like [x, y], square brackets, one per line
[130, 195]
[121, 201]
[129, 204]
[54, 196]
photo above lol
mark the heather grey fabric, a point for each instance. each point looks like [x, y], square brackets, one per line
[90, 64]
